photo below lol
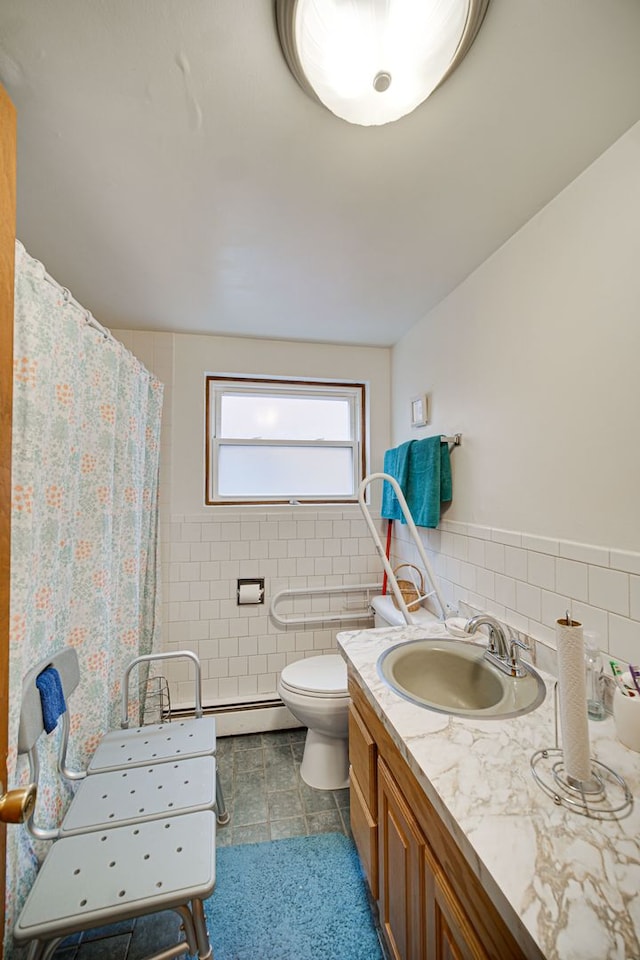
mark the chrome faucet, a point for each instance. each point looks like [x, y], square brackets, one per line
[502, 652]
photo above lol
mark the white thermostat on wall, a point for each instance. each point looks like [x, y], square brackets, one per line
[420, 410]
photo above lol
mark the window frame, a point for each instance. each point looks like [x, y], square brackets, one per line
[217, 384]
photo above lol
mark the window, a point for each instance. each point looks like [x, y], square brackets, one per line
[274, 441]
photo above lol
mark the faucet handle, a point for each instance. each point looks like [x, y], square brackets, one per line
[515, 645]
[515, 641]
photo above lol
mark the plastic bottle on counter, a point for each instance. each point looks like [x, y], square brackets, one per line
[593, 667]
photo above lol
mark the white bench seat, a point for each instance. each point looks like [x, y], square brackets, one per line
[157, 743]
[142, 793]
[100, 878]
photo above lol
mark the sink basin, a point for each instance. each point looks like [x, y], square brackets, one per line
[452, 676]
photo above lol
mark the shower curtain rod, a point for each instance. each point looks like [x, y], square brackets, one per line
[69, 298]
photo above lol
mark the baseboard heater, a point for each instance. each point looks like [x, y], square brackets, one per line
[249, 717]
[182, 712]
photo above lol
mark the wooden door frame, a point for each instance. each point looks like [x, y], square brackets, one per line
[7, 267]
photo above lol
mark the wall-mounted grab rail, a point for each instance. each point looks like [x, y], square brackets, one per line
[286, 620]
[416, 539]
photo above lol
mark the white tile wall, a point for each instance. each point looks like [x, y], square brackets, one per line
[241, 648]
[530, 582]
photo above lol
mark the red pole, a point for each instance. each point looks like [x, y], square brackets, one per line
[384, 579]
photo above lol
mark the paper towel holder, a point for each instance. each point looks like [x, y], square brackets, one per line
[605, 796]
[250, 591]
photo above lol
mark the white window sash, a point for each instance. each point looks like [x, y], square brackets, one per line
[355, 397]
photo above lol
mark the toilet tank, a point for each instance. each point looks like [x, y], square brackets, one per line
[386, 614]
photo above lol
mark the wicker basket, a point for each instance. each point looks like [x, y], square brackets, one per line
[410, 590]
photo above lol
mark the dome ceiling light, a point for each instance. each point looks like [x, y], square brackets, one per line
[374, 61]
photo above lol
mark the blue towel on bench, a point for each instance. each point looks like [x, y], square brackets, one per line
[51, 697]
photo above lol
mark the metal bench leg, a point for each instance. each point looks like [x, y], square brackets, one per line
[188, 927]
[222, 815]
[43, 949]
[204, 946]
[35, 949]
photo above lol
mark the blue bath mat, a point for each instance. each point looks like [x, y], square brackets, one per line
[298, 899]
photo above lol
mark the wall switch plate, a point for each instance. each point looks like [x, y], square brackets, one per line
[420, 410]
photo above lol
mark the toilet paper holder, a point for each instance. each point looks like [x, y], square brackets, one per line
[250, 591]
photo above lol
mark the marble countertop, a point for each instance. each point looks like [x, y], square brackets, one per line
[572, 882]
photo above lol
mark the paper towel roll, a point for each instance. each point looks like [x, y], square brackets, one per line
[572, 695]
[249, 593]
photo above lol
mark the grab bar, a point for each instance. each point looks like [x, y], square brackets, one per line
[286, 620]
[416, 539]
[149, 658]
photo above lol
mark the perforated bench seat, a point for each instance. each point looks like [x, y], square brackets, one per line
[134, 795]
[120, 873]
[139, 746]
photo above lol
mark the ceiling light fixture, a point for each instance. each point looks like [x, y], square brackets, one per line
[374, 61]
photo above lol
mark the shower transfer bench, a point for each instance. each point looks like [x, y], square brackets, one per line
[139, 835]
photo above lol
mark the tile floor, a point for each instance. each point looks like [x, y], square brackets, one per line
[267, 800]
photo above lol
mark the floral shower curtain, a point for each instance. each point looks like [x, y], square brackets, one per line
[86, 433]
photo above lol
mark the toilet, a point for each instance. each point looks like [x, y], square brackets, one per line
[315, 691]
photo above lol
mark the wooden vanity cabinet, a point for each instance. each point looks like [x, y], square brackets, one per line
[431, 905]
[402, 889]
[363, 758]
[449, 933]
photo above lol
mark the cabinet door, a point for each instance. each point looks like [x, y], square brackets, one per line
[365, 834]
[401, 859]
[449, 934]
[363, 756]
[364, 796]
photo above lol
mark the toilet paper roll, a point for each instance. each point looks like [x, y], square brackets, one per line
[249, 593]
[572, 695]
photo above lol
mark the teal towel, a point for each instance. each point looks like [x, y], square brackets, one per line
[396, 464]
[423, 470]
[428, 480]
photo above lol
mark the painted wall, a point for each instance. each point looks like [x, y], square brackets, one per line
[534, 359]
[206, 549]
[196, 355]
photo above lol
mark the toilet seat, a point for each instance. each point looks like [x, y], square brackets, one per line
[324, 676]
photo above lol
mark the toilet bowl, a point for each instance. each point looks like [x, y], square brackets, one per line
[315, 691]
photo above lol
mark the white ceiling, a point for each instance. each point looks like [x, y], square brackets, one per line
[173, 175]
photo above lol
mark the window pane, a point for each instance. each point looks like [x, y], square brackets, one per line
[284, 418]
[285, 472]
